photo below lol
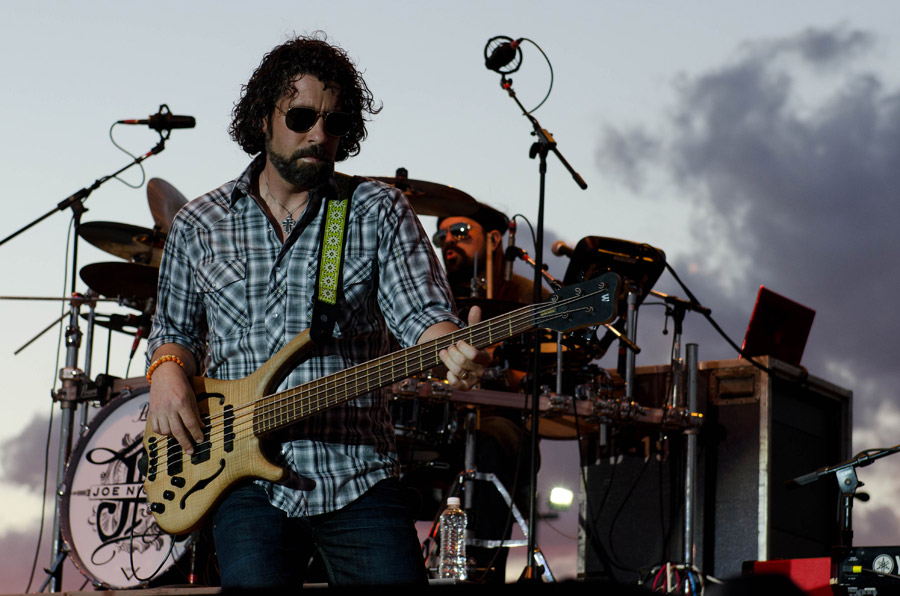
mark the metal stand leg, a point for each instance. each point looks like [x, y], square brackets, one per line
[690, 474]
[68, 395]
[468, 478]
[470, 475]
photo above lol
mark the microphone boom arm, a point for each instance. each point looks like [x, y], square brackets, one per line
[76, 200]
[545, 140]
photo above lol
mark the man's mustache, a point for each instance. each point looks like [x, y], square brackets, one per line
[316, 151]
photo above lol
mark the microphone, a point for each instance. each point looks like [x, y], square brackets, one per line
[560, 249]
[510, 256]
[503, 54]
[164, 120]
[688, 304]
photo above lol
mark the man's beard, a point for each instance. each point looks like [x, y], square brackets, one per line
[460, 276]
[298, 172]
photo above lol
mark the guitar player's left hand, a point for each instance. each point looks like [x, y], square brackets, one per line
[465, 363]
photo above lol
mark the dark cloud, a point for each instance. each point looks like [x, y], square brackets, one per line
[22, 456]
[800, 196]
[823, 48]
[880, 525]
[802, 200]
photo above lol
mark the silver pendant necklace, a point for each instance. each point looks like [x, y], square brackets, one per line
[288, 223]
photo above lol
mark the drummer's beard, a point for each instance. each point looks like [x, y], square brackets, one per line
[459, 274]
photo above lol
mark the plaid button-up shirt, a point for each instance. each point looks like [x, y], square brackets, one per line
[231, 292]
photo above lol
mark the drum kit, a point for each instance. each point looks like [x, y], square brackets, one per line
[109, 533]
[102, 517]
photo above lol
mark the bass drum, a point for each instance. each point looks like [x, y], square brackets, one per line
[112, 537]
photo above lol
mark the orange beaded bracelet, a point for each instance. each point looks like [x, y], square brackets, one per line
[160, 360]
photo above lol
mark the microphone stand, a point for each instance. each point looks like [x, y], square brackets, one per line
[540, 148]
[71, 376]
[848, 482]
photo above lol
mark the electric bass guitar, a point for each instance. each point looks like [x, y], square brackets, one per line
[182, 489]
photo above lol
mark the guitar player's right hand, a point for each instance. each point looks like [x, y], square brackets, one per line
[173, 408]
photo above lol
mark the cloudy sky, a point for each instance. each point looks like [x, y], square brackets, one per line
[754, 145]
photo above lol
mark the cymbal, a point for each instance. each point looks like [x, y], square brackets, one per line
[165, 201]
[124, 280]
[489, 308]
[431, 198]
[132, 243]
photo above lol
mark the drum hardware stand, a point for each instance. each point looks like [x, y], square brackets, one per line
[475, 287]
[466, 479]
[690, 472]
[678, 408]
[68, 397]
[72, 378]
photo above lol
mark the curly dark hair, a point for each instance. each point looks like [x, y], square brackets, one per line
[274, 77]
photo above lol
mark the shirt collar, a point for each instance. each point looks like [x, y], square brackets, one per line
[244, 182]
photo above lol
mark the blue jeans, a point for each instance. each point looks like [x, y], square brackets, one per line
[371, 541]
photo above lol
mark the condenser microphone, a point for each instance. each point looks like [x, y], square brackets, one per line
[503, 54]
[510, 256]
[560, 249]
[164, 120]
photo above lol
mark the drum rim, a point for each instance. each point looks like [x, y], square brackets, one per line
[130, 392]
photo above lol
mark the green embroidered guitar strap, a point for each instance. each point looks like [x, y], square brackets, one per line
[331, 257]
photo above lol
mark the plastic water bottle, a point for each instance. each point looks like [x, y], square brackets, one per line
[453, 562]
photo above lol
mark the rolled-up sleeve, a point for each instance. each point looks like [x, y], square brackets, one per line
[413, 291]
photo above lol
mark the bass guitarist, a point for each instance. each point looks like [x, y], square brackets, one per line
[238, 280]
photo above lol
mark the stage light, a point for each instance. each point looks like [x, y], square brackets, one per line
[560, 498]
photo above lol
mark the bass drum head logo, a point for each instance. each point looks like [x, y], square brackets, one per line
[113, 538]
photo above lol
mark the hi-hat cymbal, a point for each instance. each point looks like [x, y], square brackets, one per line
[431, 198]
[132, 243]
[165, 201]
[124, 280]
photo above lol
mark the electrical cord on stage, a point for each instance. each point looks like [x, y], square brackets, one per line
[59, 341]
[693, 577]
[716, 326]
[550, 66]
[131, 555]
[530, 227]
[593, 516]
[37, 549]
[801, 379]
[608, 558]
[612, 523]
[129, 154]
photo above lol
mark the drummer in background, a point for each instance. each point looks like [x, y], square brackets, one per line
[472, 250]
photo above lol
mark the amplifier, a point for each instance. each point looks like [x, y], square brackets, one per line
[759, 431]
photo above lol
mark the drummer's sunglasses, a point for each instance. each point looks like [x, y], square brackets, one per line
[460, 231]
[337, 124]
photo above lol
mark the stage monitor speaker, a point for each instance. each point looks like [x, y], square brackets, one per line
[759, 431]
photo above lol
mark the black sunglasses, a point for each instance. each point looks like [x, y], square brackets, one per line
[337, 124]
[460, 231]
